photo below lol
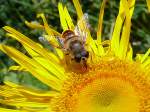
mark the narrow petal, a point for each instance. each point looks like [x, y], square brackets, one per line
[6, 93]
[54, 68]
[145, 56]
[29, 105]
[100, 21]
[145, 59]
[33, 52]
[32, 92]
[10, 110]
[18, 68]
[28, 42]
[48, 30]
[130, 53]
[62, 16]
[39, 26]
[124, 42]
[124, 12]
[146, 64]
[33, 67]
[117, 30]
[60, 53]
[78, 8]
[99, 30]
[148, 4]
[34, 25]
[24, 107]
[19, 101]
[68, 19]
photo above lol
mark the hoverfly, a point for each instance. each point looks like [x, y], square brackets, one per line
[73, 43]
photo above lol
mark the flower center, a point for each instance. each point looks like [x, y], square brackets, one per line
[107, 95]
[111, 86]
[104, 98]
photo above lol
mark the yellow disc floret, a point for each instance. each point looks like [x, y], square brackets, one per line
[110, 86]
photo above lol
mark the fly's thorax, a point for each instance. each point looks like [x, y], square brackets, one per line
[71, 42]
[68, 34]
[76, 46]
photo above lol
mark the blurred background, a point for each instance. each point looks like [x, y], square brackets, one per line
[15, 12]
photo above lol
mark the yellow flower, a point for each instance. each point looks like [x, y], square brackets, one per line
[112, 82]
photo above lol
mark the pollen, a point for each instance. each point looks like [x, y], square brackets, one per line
[109, 86]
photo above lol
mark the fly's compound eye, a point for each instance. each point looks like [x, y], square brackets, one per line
[85, 54]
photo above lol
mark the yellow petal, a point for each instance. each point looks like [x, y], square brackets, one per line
[148, 4]
[124, 42]
[34, 25]
[62, 16]
[130, 53]
[145, 56]
[53, 68]
[35, 54]
[11, 110]
[31, 92]
[100, 21]
[68, 19]
[24, 107]
[117, 30]
[124, 39]
[131, 4]
[18, 68]
[33, 67]
[48, 30]
[60, 53]
[11, 84]
[139, 57]
[6, 93]
[23, 98]
[146, 64]
[116, 34]
[144, 59]
[78, 8]
[99, 30]
[28, 42]
[29, 105]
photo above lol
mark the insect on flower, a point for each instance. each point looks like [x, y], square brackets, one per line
[114, 79]
[73, 43]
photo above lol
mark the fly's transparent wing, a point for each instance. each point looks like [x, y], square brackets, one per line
[45, 43]
[54, 41]
[43, 40]
[60, 41]
[82, 27]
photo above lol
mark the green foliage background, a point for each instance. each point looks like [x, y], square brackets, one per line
[15, 12]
